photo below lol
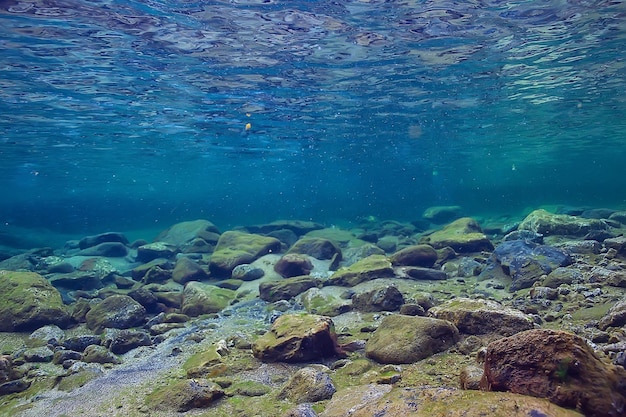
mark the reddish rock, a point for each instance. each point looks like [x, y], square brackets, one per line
[558, 366]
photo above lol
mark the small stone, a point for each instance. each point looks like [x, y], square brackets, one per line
[308, 385]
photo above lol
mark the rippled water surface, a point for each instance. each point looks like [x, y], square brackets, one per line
[126, 113]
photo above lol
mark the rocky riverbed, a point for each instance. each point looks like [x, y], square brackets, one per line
[445, 315]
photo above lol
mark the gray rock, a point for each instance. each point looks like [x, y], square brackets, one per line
[90, 241]
[46, 335]
[247, 272]
[106, 249]
[99, 354]
[116, 311]
[38, 354]
[308, 385]
[383, 299]
[127, 340]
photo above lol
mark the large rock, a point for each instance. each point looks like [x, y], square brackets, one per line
[367, 269]
[308, 385]
[293, 265]
[384, 400]
[406, 339]
[442, 214]
[185, 395]
[28, 301]
[299, 227]
[156, 250]
[182, 235]
[188, 270]
[558, 366]
[117, 312]
[286, 289]
[106, 249]
[541, 221]
[237, 248]
[325, 301]
[297, 338]
[200, 298]
[387, 298]
[89, 241]
[462, 235]
[615, 317]
[415, 255]
[524, 261]
[477, 317]
[316, 247]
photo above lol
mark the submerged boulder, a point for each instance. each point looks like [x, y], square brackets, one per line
[308, 385]
[200, 298]
[406, 339]
[462, 235]
[237, 248]
[367, 269]
[316, 247]
[287, 288]
[28, 301]
[117, 312]
[293, 265]
[415, 255]
[559, 366]
[546, 223]
[184, 235]
[297, 338]
[185, 395]
[442, 214]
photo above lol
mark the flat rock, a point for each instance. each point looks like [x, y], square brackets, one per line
[28, 301]
[367, 269]
[297, 338]
[200, 298]
[556, 365]
[117, 312]
[548, 224]
[182, 396]
[183, 234]
[478, 317]
[317, 247]
[237, 248]
[89, 241]
[462, 235]
[325, 301]
[152, 251]
[415, 255]
[299, 227]
[406, 339]
[287, 288]
[106, 249]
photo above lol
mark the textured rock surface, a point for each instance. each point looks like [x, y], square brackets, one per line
[558, 366]
[287, 288]
[316, 247]
[297, 338]
[382, 299]
[200, 298]
[541, 221]
[293, 265]
[237, 248]
[462, 235]
[415, 255]
[28, 301]
[185, 395]
[308, 385]
[116, 311]
[367, 269]
[407, 339]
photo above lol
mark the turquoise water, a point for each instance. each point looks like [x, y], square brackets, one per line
[131, 114]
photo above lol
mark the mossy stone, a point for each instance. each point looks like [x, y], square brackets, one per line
[462, 235]
[200, 298]
[367, 269]
[237, 248]
[185, 395]
[28, 301]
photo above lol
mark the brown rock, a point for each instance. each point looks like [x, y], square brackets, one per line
[293, 265]
[416, 255]
[316, 247]
[558, 366]
[188, 270]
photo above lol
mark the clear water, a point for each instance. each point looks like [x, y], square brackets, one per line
[129, 114]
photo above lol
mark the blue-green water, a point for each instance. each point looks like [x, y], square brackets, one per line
[130, 114]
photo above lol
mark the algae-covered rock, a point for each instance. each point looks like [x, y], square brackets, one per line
[308, 385]
[476, 316]
[387, 298]
[367, 269]
[324, 301]
[99, 354]
[546, 223]
[407, 339]
[442, 214]
[200, 298]
[316, 247]
[188, 270]
[237, 248]
[183, 234]
[559, 366]
[28, 301]
[287, 288]
[383, 400]
[185, 395]
[156, 250]
[117, 312]
[462, 235]
[297, 338]
[415, 255]
[299, 227]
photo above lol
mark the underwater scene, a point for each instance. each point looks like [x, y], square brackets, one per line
[312, 208]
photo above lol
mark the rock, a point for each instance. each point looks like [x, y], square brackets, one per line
[7, 372]
[317, 247]
[415, 255]
[558, 366]
[581, 246]
[80, 343]
[77, 280]
[353, 255]
[548, 224]
[108, 237]
[62, 355]
[286, 237]
[617, 243]
[185, 395]
[524, 235]
[524, 261]
[324, 301]
[156, 250]
[117, 312]
[297, 338]
[38, 354]
[462, 235]
[293, 265]
[442, 214]
[299, 227]
[615, 317]
[140, 271]
[470, 377]
[382, 400]
[127, 340]
[236, 248]
[14, 386]
[247, 272]
[619, 216]
[597, 213]
[301, 410]
[99, 354]
[200, 298]
[46, 335]
[468, 267]
[182, 235]
[406, 339]
[156, 274]
[367, 269]
[28, 301]
[286, 289]
[563, 275]
[187, 270]
[308, 385]
[383, 299]
[422, 274]
[106, 249]
[62, 267]
[476, 317]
